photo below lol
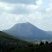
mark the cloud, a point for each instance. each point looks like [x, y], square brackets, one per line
[5, 7]
[37, 12]
[20, 1]
[24, 9]
[7, 20]
[19, 8]
[19, 12]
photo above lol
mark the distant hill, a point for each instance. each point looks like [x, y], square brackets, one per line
[27, 31]
[4, 37]
[9, 43]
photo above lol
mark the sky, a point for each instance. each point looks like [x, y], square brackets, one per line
[37, 12]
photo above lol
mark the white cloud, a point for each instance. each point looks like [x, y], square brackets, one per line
[39, 14]
[19, 7]
[6, 6]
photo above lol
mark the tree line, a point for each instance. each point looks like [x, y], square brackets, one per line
[12, 46]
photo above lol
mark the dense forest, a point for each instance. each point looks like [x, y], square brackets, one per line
[11, 44]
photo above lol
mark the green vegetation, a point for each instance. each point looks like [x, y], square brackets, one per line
[11, 44]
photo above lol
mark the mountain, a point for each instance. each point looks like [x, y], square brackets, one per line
[49, 32]
[27, 31]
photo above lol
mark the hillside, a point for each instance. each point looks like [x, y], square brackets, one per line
[5, 36]
[9, 43]
[9, 38]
